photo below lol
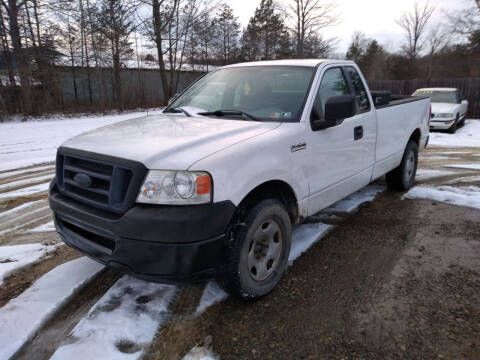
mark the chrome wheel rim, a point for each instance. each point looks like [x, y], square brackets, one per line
[264, 250]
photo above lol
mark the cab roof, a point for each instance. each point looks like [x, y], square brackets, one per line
[292, 62]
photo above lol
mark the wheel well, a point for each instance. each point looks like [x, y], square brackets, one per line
[275, 189]
[416, 136]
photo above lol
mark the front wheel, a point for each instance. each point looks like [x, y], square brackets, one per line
[258, 255]
[403, 177]
[453, 128]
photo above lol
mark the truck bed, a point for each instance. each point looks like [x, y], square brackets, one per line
[383, 99]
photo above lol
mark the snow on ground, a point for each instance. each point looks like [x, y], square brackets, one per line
[23, 171]
[18, 257]
[200, 353]
[19, 208]
[464, 166]
[304, 237]
[50, 226]
[122, 322]
[212, 294]
[35, 142]
[427, 174]
[468, 136]
[23, 316]
[353, 201]
[462, 196]
[26, 191]
[18, 183]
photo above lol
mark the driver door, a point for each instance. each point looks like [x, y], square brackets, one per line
[339, 159]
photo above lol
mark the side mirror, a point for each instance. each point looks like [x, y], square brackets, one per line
[337, 109]
[464, 102]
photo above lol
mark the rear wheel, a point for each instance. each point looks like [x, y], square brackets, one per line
[403, 177]
[258, 254]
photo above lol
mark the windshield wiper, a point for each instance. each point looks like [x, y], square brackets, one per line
[177, 110]
[221, 113]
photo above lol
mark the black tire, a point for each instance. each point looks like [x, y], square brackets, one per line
[402, 177]
[234, 273]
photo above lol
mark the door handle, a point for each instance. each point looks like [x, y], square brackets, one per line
[358, 133]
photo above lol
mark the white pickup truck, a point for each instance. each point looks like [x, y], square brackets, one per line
[212, 187]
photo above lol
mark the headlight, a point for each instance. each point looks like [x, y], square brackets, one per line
[444, 116]
[176, 188]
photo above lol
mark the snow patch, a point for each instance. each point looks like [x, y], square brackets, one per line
[27, 191]
[17, 257]
[212, 294]
[23, 316]
[26, 171]
[15, 184]
[467, 136]
[304, 237]
[18, 208]
[121, 323]
[353, 201]
[464, 166]
[462, 196]
[200, 353]
[426, 174]
[48, 227]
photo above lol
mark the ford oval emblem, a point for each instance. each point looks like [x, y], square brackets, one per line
[83, 180]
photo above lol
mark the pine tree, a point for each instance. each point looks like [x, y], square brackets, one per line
[266, 36]
[228, 29]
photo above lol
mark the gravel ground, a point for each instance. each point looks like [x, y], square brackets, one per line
[399, 279]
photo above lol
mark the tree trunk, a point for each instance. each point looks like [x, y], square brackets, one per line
[23, 62]
[158, 42]
[8, 53]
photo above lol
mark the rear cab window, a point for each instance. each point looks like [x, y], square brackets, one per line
[361, 95]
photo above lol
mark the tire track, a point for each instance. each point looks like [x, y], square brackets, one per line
[55, 332]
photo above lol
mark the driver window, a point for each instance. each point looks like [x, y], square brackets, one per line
[333, 83]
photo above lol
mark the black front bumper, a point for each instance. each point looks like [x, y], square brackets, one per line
[169, 244]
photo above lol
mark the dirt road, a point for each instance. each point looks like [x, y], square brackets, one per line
[395, 279]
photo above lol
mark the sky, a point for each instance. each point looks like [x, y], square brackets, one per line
[375, 18]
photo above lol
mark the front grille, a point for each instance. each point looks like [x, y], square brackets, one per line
[112, 184]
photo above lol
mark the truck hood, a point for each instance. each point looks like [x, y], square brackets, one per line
[168, 142]
[444, 108]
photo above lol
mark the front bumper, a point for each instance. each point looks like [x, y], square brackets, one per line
[169, 244]
[443, 124]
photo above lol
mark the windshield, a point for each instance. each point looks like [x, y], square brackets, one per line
[267, 93]
[449, 97]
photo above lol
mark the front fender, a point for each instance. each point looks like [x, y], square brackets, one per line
[240, 168]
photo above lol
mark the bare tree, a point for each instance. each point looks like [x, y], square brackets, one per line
[437, 39]
[310, 17]
[414, 25]
[13, 9]
[465, 22]
[115, 23]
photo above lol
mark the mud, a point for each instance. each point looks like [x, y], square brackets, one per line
[18, 282]
[384, 284]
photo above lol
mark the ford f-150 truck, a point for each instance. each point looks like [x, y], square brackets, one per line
[212, 187]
